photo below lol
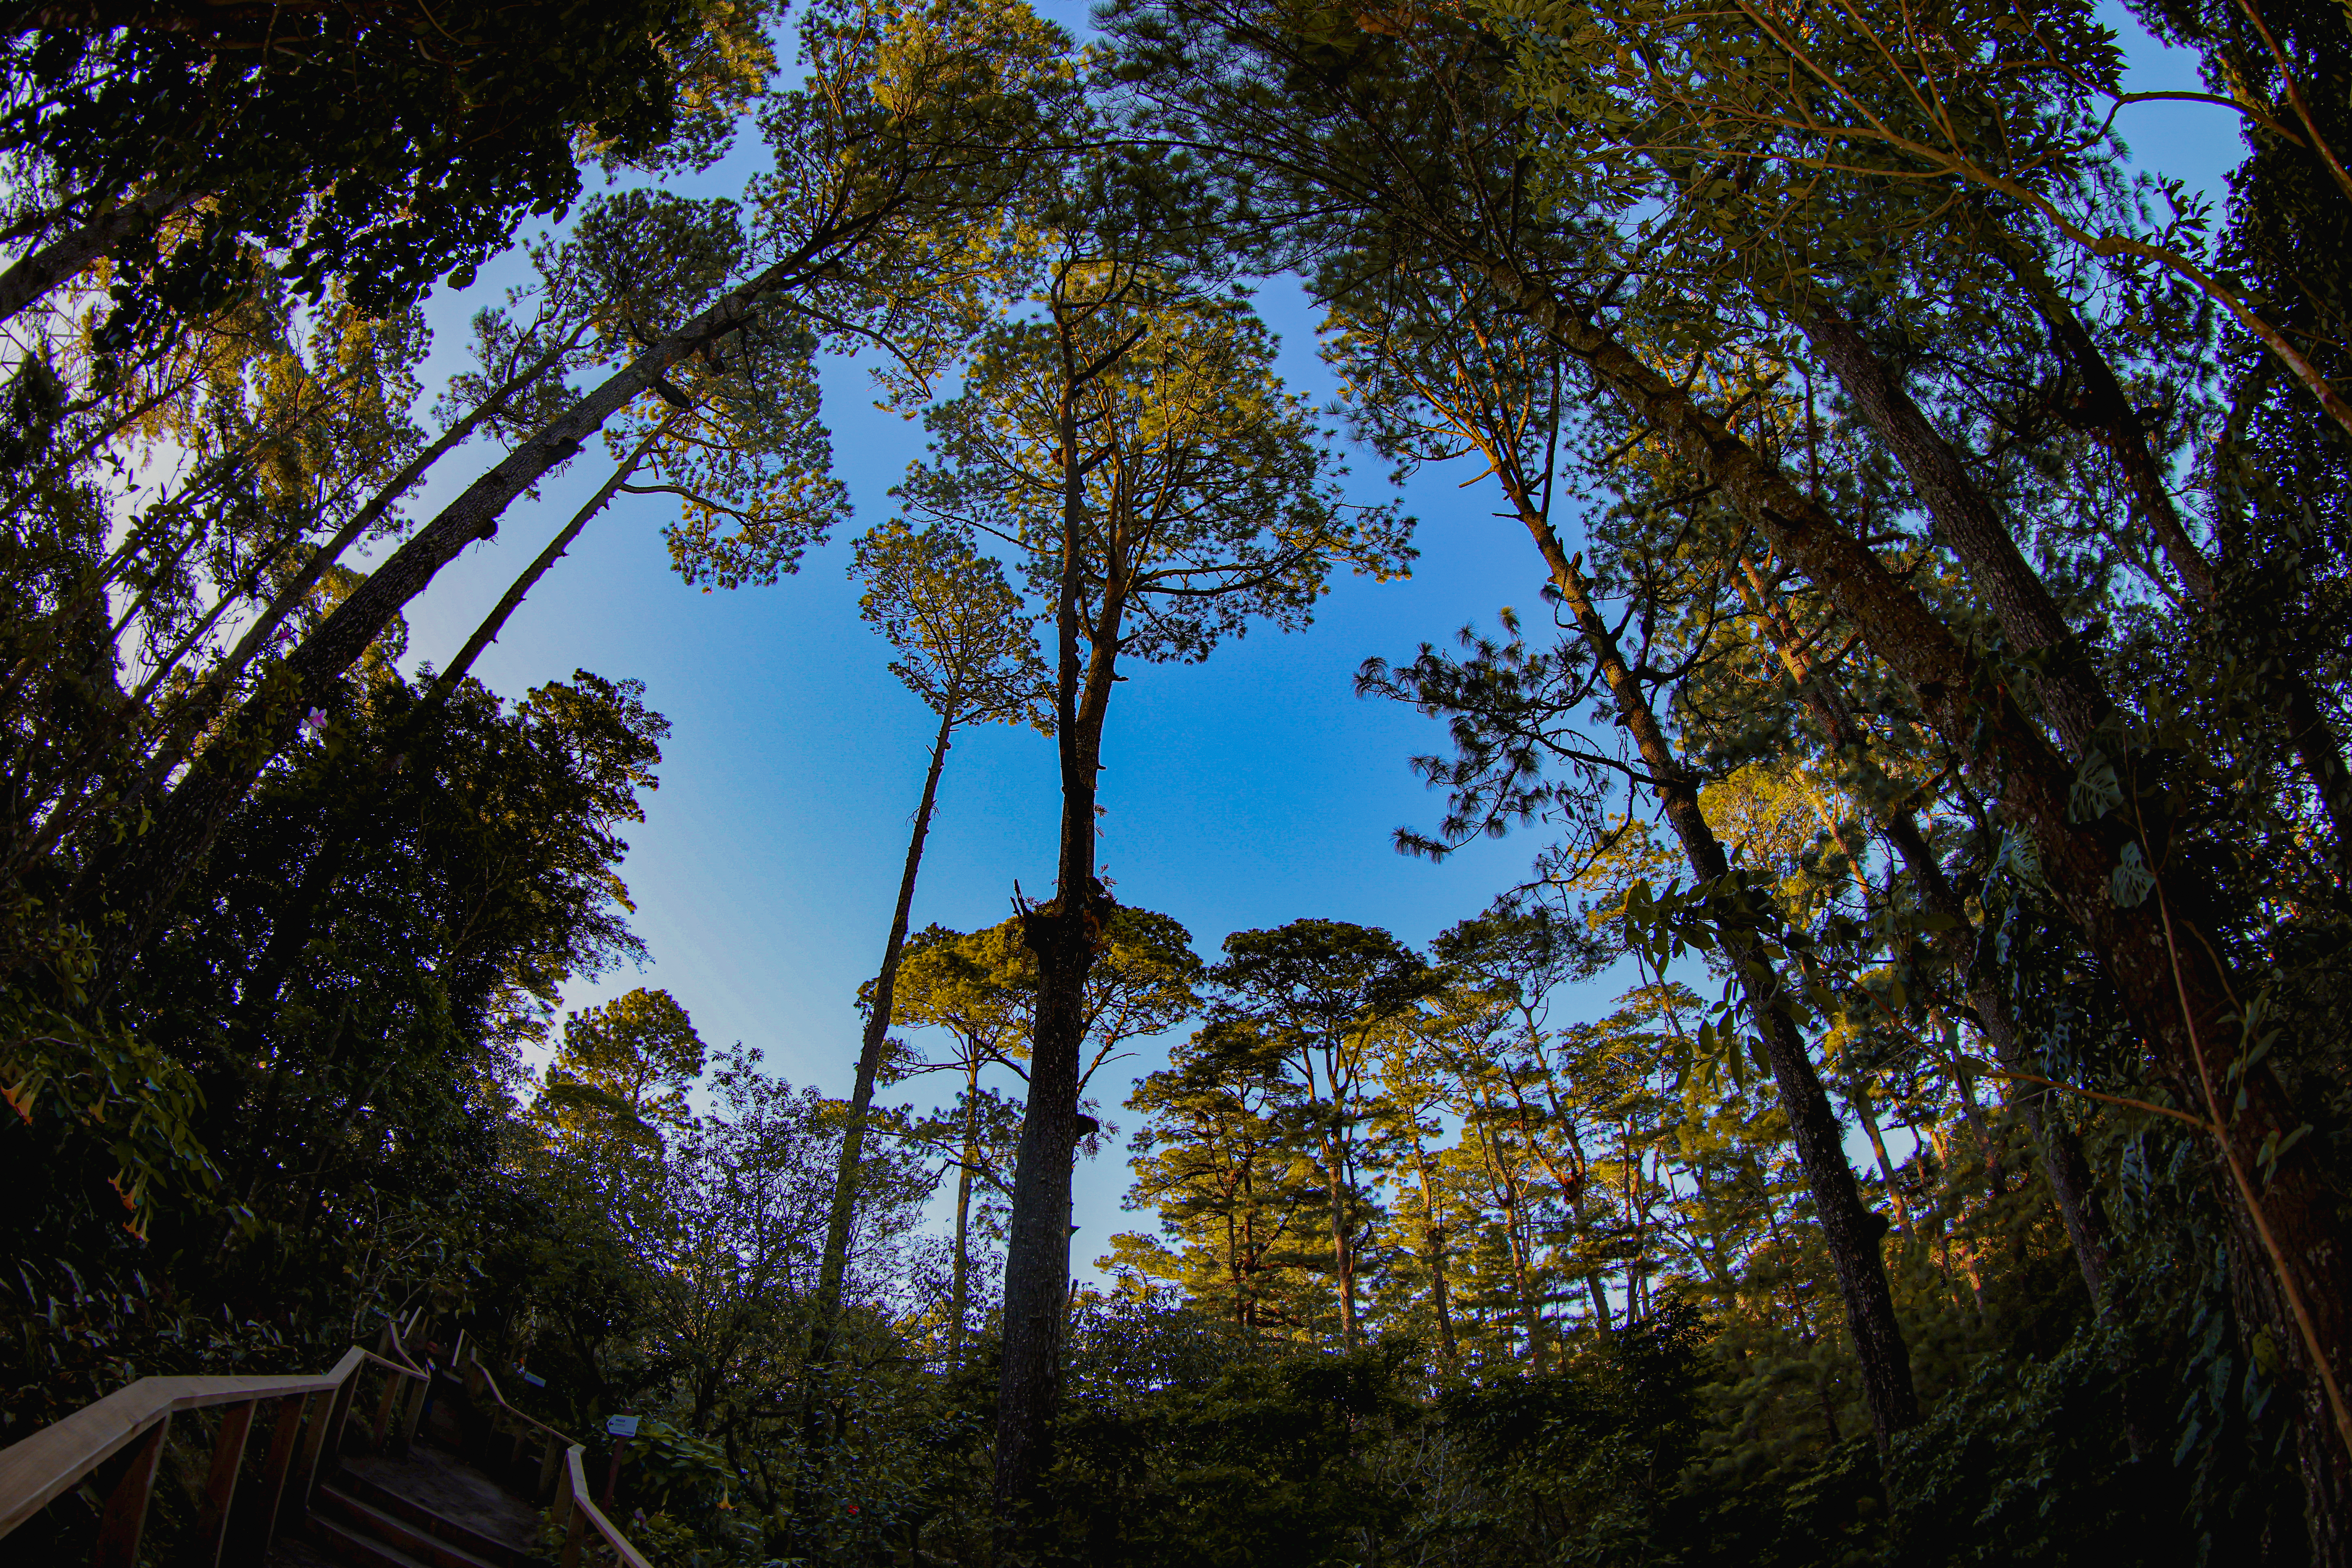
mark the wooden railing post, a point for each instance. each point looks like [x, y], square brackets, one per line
[116, 1445]
[548, 1466]
[322, 1447]
[383, 1407]
[220, 1483]
[420, 1390]
[573, 1492]
[257, 1514]
[125, 1517]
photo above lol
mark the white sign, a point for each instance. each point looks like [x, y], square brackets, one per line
[622, 1425]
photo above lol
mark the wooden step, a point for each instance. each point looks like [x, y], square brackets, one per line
[464, 1538]
[428, 1481]
[342, 1546]
[374, 1538]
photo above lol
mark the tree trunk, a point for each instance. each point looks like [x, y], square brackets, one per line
[1433, 1241]
[824, 1310]
[1861, 1099]
[199, 708]
[2106, 411]
[959, 1291]
[1597, 1290]
[1064, 935]
[34, 276]
[2315, 742]
[290, 930]
[1245, 1262]
[1507, 1194]
[1848, 1225]
[148, 874]
[511, 600]
[2292, 1259]
[2072, 694]
[1530, 1309]
[2063, 1165]
[1342, 1255]
[1595, 1282]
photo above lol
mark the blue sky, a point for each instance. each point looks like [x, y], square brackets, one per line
[1250, 791]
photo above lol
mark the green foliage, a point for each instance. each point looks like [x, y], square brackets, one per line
[282, 128]
[1223, 1158]
[1493, 1254]
[1205, 498]
[1215, 1455]
[62, 1070]
[623, 1071]
[966, 645]
[1601, 1439]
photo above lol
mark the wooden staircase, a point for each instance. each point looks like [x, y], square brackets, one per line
[428, 1508]
[447, 1474]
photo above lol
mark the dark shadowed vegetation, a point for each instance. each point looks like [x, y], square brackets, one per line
[1898, 1117]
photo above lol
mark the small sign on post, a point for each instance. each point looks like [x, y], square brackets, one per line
[620, 1428]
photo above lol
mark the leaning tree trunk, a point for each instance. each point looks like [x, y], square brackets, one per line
[1849, 1227]
[2106, 410]
[291, 924]
[2291, 1256]
[71, 254]
[825, 1309]
[142, 882]
[197, 709]
[2063, 1165]
[2072, 695]
[491, 625]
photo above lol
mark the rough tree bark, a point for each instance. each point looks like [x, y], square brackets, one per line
[1343, 1262]
[491, 625]
[2063, 1165]
[1849, 1225]
[67, 256]
[1063, 934]
[2292, 1259]
[196, 710]
[2107, 412]
[2071, 693]
[824, 1310]
[145, 879]
[960, 1286]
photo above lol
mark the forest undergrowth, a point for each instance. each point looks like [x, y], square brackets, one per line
[1899, 1116]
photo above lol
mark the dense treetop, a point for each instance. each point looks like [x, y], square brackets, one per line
[1894, 1111]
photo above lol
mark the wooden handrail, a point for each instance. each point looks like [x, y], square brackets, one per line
[499, 1400]
[396, 1341]
[398, 1368]
[552, 1443]
[304, 1441]
[576, 1498]
[573, 1502]
[54, 1459]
